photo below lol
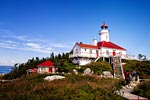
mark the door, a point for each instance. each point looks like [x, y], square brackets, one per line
[114, 52]
[97, 53]
[50, 70]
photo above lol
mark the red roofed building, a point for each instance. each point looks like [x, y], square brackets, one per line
[46, 67]
[85, 53]
[32, 70]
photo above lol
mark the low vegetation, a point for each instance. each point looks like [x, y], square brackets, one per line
[98, 67]
[143, 89]
[61, 61]
[73, 87]
[141, 67]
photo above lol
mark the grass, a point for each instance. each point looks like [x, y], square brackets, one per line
[73, 87]
[143, 89]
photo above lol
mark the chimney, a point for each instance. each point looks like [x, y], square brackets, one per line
[95, 41]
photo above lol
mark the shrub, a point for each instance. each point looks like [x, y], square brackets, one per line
[141, 67]
[73, 87]
[143, 89]
[99, 67]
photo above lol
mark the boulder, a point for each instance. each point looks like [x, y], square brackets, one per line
[87, 71]
[54, 77]
[75, 71]
[107, 74]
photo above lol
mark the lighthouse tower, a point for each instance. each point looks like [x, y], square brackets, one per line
[104, 33]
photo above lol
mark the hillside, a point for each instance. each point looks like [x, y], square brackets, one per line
[73, 87]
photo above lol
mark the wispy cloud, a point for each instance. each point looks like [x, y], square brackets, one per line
[35, 45]
[35, 50]
[10, 41]
[60, 45]
[5, 45]
[8, 44]
[22, 38]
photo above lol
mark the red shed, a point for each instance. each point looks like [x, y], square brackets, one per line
[46, 67]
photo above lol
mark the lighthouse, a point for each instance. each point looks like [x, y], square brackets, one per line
[83, 53]
[104, 33]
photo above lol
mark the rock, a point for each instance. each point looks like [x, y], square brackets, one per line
[54, 77]
[87, 71]
[75, 71]
[107, 74]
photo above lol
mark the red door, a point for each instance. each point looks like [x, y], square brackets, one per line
[114, 53]
[50, 70]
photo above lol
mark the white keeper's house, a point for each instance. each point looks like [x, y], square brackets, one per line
[82, 54]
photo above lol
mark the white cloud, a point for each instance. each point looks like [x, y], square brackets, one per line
[33, 45]
[12, 61]
[9, 41]
[48, 48]
[61, 45]
[7, 45]
[22, 38]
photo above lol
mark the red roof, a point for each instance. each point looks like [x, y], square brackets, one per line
[109, 45]
[87, 46]
[46, 63]
[33, 70]
[101, 44]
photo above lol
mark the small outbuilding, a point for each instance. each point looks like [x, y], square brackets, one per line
[32, 70]
[46, 67]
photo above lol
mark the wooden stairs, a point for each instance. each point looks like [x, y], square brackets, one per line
[117, 67]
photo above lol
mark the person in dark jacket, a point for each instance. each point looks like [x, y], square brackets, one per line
[127, 79]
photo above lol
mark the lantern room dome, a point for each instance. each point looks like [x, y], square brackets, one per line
[104, 26]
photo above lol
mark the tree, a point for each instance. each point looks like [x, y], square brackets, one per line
[59, 56]
[142, 57]
[139, 56]
[52, 57]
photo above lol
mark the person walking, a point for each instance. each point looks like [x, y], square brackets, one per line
[134, 75]
[127, 77]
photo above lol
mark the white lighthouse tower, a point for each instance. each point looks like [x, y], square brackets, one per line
[104, 33]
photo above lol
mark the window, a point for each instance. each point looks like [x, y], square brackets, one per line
[107, 52]
[90, 51]
[85, 49]
[120, 53]
[76, 50]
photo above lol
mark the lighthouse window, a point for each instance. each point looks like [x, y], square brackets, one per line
[85, 49]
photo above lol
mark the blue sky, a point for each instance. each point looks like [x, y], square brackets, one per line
[35, 28]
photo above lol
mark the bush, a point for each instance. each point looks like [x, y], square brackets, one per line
[141, 67]
[143, 89]
[130, 64]
[99, 67]
[73, 87]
